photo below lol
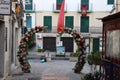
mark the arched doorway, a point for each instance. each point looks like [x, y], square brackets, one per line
[23, 48]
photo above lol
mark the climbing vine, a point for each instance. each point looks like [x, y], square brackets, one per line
[23, 48]
[24, 44]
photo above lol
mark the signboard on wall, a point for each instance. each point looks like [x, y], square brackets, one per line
[59, 43]
[60, 50]
[5, 7]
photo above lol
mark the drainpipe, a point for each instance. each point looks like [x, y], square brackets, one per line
[35, 13]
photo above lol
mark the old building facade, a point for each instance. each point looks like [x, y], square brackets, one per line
[45, 13]
[10, 35]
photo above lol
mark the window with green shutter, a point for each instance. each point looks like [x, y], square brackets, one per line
[59, 1]
[48, 23]
[69, 21]
[84, 24]
[110, 2]
[58, 4]
[28, 21]
[29, 6]
[96, 44]
[85, 2]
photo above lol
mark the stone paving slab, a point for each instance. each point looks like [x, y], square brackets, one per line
[55, 69]
[50, 76]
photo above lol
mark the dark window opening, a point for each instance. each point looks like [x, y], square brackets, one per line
[110, 2]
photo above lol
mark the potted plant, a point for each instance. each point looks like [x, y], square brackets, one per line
[40, 50]
[74, 56]
[94, 60]
[92, 76]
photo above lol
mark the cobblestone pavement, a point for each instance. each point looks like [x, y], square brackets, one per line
[55, 69]
[51, 76]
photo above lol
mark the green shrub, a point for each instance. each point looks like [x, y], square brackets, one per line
[94, 58]
[75, 54]
[89, 76]
[40, 50]
[92, 76]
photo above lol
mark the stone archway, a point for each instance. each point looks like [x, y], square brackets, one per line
[23, 48]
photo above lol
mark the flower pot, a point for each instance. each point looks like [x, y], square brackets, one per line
[73, 59]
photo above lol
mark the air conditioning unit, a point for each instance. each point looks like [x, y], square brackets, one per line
[39, 36]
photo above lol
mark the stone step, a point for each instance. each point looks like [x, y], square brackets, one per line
[55, 77]
[60, 58]
[53, 57]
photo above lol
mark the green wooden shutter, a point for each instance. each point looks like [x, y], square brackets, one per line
[69, 21]
[48, 23]
[85, 2]
[28, 21]
[59, 1]
[96, 43]
[58, 4]
[110, 1]
[29, 6]
[84, 24]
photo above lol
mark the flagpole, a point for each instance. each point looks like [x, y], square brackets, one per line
[60, 24]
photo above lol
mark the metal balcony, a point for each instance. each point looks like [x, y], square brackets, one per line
[30, 10]
[95, 30]
[92, 29]
[88, 11]
[57, 11]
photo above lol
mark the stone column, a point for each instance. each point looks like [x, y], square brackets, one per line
[2, 49]
[117, 5]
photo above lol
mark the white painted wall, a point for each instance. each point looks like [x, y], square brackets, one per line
[43, 6]
[100, 5]
[72, 5]
[33, 20]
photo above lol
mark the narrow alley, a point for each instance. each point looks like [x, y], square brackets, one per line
[50, 70]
